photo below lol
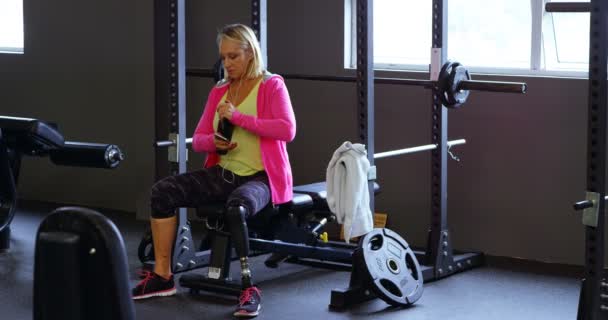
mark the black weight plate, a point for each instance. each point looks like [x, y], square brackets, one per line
[455, 97]
[452, 73]
[443, 81]
[389, 267]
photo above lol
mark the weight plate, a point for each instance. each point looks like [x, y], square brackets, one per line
[389, 267]
[452, 73]
[443, 81]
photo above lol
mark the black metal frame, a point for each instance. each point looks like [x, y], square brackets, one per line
[258, 24]
[439, 260]
[170, 103]
[438, 238]
[170, 79]
[593, 304]
[440, 255]
[365, 83]
[357, 290]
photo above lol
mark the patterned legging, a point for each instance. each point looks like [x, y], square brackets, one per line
[214, 184]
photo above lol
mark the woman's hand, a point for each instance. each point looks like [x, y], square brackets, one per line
[224, 145]
[225, 110]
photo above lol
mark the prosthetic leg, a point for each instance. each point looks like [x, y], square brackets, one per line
[235, 218]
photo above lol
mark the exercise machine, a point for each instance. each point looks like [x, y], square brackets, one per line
[80, 269]
[32, 137]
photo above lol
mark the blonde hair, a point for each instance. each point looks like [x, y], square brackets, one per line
[244, 36]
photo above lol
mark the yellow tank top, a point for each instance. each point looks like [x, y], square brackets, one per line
[246, 158]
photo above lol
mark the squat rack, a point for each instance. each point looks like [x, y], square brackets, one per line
[439, 260]
[593, 302]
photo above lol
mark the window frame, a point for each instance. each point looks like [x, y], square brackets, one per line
[21, 49]
[541, 32]
[12, 50]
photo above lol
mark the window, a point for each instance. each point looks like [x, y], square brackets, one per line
[392, 46]
[498, 36]
[490, 34]
[11, 26]
[566, 40]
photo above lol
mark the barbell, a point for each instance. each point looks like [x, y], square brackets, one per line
[453, 84]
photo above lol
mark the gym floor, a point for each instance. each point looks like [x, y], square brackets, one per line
[503, 289]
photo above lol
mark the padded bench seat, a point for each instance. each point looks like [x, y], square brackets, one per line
[318, 193]
[30, 135]
[301, 203]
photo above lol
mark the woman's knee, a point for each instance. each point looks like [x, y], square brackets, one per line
[162, 214]
[161, 202]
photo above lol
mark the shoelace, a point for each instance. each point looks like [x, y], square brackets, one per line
[147, 276]
[247, 295]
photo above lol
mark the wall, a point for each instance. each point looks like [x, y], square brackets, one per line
[89, 67]
[520, 172]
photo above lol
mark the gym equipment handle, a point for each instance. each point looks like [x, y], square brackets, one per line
[170, 143]
[85, 154]
[415, 149]
[493, 86]
[581, 205]
[568, 7]
[585, 204]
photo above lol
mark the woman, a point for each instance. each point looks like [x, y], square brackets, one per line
[247, 171]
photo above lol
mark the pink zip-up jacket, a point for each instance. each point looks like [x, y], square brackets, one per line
[275, 124]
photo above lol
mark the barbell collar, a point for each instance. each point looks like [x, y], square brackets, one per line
[568, 7]
[493, 86]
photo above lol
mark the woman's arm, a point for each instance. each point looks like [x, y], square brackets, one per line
[202, 140]
[282, 125]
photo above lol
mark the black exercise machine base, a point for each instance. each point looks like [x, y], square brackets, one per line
[344, 298]
[320, 252]
[200, 282]
[324, 264]
[462, 262]
[199, 260]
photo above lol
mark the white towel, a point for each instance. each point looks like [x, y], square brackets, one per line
[347, 189]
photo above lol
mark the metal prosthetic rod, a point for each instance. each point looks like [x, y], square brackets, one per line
[235, 216]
